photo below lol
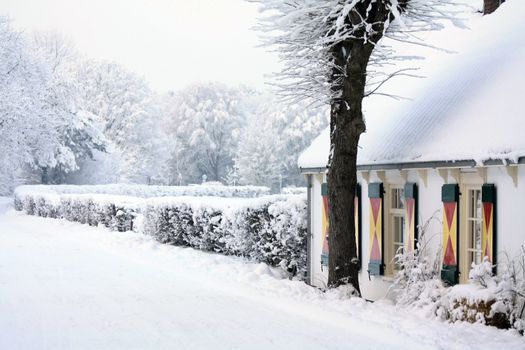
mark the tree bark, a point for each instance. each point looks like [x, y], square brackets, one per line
[346, 124]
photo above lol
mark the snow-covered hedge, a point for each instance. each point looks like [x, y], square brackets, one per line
[144, 191]
[114, 212]
[270, 229]
[293, 190]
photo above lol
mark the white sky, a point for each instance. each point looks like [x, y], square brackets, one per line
[171, 43]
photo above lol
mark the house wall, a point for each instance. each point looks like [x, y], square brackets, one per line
[510, 211]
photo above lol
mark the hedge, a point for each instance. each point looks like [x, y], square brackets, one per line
[270, 229]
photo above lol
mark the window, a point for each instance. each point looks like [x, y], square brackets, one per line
[396, 227]
[474, 219]
[470, 230]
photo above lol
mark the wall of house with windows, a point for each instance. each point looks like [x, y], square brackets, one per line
[464, 216]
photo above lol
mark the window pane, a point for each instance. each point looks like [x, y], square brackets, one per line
[478, 204]
[398, 196]
[474, 227]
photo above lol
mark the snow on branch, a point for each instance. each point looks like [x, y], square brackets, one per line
[305, 32]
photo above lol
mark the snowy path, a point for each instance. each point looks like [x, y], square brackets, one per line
[69, 286]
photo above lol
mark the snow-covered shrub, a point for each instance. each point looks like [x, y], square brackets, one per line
[271, 229]
[512, 289]
[293, 190]
[418, 283]
[480, 301]
[482, 275]
[493, 300]
[144, 191]
[114, 212]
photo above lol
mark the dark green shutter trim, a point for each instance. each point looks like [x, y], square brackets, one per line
[488, 193]
[450, 193]
[411, 190]
[375, 190]
[376, 268]
[359, 225]
[450, 275]
[324, 189]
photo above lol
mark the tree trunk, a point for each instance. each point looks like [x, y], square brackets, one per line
[44, 178]
[346, 124]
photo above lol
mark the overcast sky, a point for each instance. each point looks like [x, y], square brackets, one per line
[170, 42]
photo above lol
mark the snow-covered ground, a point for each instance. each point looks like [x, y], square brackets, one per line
[69, 286]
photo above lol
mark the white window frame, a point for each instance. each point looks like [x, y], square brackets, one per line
[466, 218]
[391, 245]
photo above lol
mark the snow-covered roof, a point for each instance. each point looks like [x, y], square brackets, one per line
[470, 106]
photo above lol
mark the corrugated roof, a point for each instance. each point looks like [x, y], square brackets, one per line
[469, 106]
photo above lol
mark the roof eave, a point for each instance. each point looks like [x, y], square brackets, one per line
[467, 163]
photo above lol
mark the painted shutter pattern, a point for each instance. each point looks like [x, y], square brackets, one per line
[325, 223]
[450, 199]
[375, 195]
[411, 202]
[488, 233]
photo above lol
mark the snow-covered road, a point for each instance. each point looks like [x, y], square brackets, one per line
[69, 286]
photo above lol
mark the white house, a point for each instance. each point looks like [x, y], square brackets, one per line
[452, 156]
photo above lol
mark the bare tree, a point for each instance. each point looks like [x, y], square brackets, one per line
[331, 50]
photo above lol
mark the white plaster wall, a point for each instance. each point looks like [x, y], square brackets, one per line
[319, 275]
[510, 209]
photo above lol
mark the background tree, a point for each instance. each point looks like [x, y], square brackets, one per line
[327, 48]
[207, 120]
[272, 140]
[77, 134]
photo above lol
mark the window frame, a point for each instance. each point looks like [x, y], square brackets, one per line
[391, 213]
[465, 234]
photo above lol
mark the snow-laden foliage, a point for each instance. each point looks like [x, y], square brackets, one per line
[418, 283]
[305, 34]
[482, 300]
[294, 190]
[270, 229]
[143, 191]
[42, 126]
[237, 135]
[103, 124]
[129, 116]
[114, 212]
[205, 121]
[272, 140]
[495, 300]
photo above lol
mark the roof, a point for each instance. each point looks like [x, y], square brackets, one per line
[469, 108]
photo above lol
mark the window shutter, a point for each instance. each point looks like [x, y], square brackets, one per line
[375, 195]
[411, 203]
[357, 220]
[450, 199]
[488, 231]
[326, 210]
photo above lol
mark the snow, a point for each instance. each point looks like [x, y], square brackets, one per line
[472, 293]
[467, 108]
[71, 286]
[144, 191]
